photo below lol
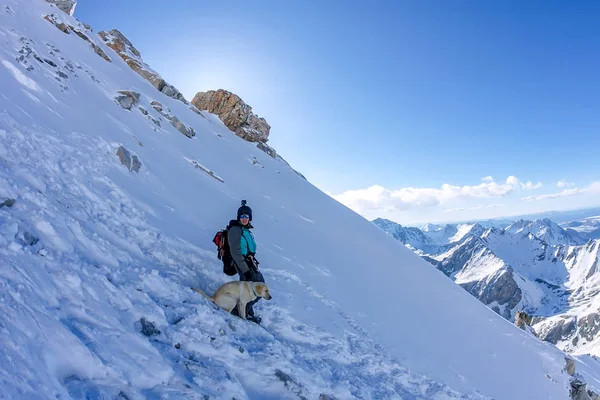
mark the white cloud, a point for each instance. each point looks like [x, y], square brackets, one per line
[487, 179]
[592, 188]
[379, 199]
[475, 207]
[563, 184]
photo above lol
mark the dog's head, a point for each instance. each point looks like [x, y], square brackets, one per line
[262, 290]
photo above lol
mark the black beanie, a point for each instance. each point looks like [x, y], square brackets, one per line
[244, 209]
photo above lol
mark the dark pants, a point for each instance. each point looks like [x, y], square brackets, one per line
[256, 276]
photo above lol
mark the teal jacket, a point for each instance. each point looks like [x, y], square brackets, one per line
[241, 243]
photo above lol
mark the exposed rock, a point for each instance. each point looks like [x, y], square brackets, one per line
[522, 319]
[125, 49]
[60, 25]
[53, 19]
[291, 384]
[129, 160]
[148, 327]
[97, 49]
[186, 130]
[67, 6]
[127, 99]
[570, 366]
[500, 288]
[235, 114]
[589, 326]
[559, 330]
[7, 203]
[578, 390]
[194, 109]
[323, 396]
[157, 106]
[143, 110]
[267, 149]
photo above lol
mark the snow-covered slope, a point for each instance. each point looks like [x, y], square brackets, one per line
[528, 266]
[89, 247]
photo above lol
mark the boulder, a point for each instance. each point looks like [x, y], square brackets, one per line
[129, 160]
[578, 390]
[127, 98]
[569, 366]
[180, 126]
[67, 6]
[7, 203]
[235, 114]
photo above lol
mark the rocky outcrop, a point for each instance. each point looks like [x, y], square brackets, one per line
[125, 49]
[500, 288]
[524, 321]
[177, 124]
[127, 98]
[557, 329]
[83, 33]
[235, 114]
[67, 6]
[129, 160]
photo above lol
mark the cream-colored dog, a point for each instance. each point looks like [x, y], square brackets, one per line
[237, 293]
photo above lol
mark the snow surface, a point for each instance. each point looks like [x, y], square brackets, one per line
[89, 248]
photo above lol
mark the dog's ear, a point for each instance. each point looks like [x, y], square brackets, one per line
[261, 288]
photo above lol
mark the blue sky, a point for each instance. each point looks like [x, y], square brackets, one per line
[369, 101]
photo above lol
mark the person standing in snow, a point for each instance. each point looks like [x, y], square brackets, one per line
[243, 248]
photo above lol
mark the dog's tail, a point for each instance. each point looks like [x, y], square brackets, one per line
[204, 294]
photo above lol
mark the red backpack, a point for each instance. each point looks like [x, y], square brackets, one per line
[223, 252]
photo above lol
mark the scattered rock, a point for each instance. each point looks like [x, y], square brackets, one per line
[148, 327]
[157, 106]
[578, 390]
[97, 49]
[67, 6]
[235, 114]
[524, 321]
[143, 110]
[194, 109]
[127, 99]
[125, 49]
[128, 160]
[291, 385]
[62, 74]
[208, 171]
[49, 62]
[267, 149]
[187, 131]
[60, 25]
[323, 396]
[570, 366]
[177, 346]
[177, 320]
[29, 239]
[7, 203]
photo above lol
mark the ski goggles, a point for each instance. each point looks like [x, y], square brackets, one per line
[244, 216]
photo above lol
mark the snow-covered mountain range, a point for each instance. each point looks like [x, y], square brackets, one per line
[111, 189]
[535, 266]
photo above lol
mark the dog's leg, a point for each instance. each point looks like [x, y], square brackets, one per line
[242, 309]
